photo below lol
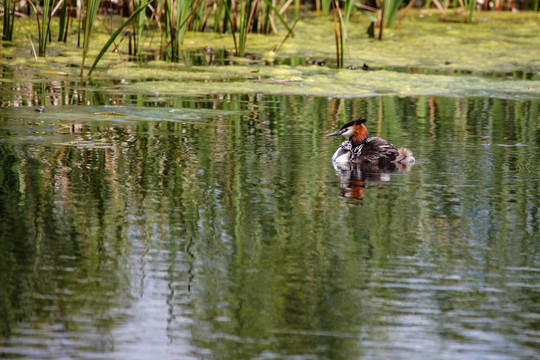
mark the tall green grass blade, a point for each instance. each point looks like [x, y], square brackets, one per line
[92, 7]
[325, 6]
[381, 20]
[368, 15]
[347, 11]
[266, 25]
[9, 19]
[170, 33]
[230, 21]
[246, 14]
[390, 11]
[43, 25]
[178, 15]
[115, 35]
[469, 10]
[241, 28]
[62, 24]
[220, 9]
[337, 32]
[184, 16]
[341, 21]
[138, 27]
[288, 34]
[199, 17]
[42, 46]
[168, 30]
[6, 19]
[280, 17]
[253, 15]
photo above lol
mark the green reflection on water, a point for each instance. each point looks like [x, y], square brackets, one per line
[216, 227]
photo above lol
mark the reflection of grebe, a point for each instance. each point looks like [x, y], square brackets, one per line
[363, 149]
[355, 178]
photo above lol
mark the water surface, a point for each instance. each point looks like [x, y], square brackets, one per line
[206, 227]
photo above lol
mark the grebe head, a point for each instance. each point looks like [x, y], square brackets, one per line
[355, 130]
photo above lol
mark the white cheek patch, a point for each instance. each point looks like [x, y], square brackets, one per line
[348, 133]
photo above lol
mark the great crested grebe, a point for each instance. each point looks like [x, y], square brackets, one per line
[363, 149]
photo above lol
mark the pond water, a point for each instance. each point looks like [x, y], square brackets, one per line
[138, 226]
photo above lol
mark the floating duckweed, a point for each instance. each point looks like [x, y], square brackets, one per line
[340, 83]
[498, 54]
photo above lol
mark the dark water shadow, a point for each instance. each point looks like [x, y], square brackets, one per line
[355, 178]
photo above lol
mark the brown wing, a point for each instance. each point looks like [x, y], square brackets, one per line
[377, 151]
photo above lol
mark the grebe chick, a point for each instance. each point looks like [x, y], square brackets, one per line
[361, 148]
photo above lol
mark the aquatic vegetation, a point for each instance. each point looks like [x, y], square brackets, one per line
[245, 21]
[341, 21]
[176, 16]
[113, 37]
[494, 59]
[314, 81]
[173, 19]
[44, 25]
[138, 19]
[63, 22]
[469, 6]
[388, 14]
[8, 19]
[197, 197]
[92, 7]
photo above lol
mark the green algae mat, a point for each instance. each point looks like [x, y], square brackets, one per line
[498, 55]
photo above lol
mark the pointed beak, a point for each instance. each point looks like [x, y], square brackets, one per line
[335, 133]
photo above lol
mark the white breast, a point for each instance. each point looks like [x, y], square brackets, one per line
[341, 156]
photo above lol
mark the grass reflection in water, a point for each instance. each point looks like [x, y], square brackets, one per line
[214, 227]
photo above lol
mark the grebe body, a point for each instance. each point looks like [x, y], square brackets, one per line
[363, 149]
